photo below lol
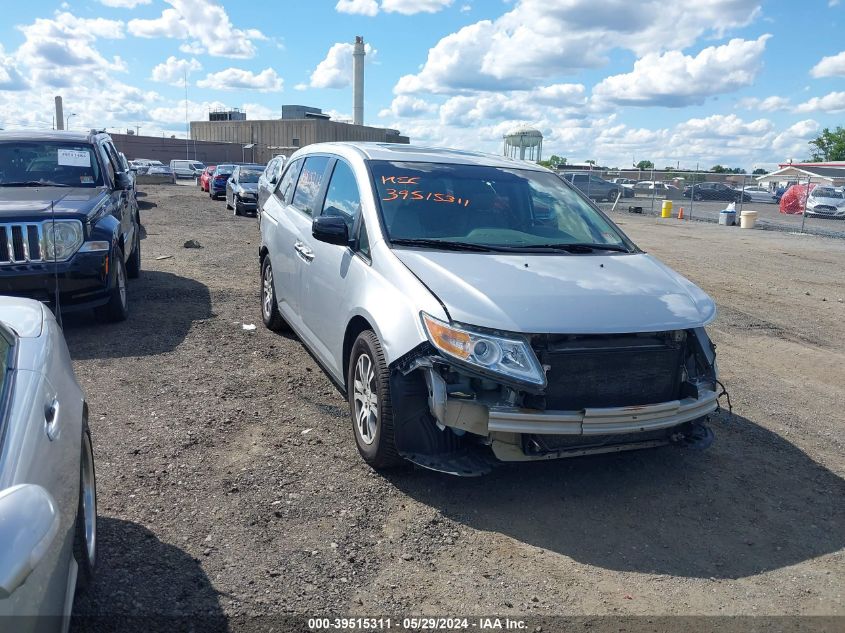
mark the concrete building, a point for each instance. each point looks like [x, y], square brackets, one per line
[298, 127]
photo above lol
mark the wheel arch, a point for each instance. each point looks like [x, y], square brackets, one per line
[356, 325]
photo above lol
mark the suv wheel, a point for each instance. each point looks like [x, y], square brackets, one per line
[370, 408]
[269, 307]
[117, 308]
[85, 529]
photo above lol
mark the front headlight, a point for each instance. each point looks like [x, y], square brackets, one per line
[510, 357]
[62, 238]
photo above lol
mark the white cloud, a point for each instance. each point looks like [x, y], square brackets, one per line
[539, 39]
[792, 142]
[405, 106]
[173, 71]
[124, 4]
[335, 71]
[769, 104]
[10, 76]
[357, 7]
[833, 102]
[239, 79]
[673, 79]
[206, 27]
[410, 7]
[833, 66]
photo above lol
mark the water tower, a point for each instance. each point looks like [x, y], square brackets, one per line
[524, 143]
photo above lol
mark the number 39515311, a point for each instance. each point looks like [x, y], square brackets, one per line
[433, 196]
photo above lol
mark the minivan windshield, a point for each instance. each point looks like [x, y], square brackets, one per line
[473, 207]
[48, 163]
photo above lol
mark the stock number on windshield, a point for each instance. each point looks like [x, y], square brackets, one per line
[433, 196]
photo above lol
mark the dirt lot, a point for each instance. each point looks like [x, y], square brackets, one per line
[230, 484]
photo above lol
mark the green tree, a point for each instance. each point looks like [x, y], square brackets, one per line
[718, 169]
[554, 161]
[645, 164]
[829, 145]
[760, 172]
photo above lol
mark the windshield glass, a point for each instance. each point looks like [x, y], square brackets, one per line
[248, 176]
[486, 206]
[48, 163]
[224, 170]
[825, 192]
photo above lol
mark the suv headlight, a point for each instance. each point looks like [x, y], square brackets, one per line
[510, 357]
[62, 238]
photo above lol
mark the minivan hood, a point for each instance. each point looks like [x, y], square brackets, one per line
[561, 294]
[20, 201]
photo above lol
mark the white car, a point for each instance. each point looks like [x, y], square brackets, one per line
[825, 202]
[48, 494]
[760, 194]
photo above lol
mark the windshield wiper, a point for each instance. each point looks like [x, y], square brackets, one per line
[578, 247]
[33, 183]
[444, 244]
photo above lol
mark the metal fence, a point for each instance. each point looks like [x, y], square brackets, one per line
[794, 204]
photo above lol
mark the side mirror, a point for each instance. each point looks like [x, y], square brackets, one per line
[29, 523]
[123, 180]
[330, 229]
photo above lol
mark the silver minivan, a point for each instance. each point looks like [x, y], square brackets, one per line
[186, 168]
[477, 309]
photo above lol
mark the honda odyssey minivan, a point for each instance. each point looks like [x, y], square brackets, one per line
[477, 309]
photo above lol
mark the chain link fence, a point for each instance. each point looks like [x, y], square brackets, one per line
[809, 204]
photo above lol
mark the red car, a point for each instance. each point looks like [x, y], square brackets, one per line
[206, 176]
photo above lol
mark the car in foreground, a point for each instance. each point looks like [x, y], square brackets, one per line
[242, 190]
[474, 308]
[69, 221]
[186, 168]
[825, 202]
[269, 177]
[594, 187]
[205, 177]
[716, 191]
[217, 182]
[760, 194]
[48, 491]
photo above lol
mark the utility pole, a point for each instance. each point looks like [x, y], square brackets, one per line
[187, 126]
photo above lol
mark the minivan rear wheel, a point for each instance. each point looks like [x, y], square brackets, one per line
[270, 314]
[370, 408]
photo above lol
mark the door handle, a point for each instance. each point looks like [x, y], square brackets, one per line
[51, 419]
[303, 251]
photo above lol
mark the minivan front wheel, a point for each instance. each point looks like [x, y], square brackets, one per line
[368, 391]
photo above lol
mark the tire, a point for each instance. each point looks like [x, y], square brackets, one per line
[235, 207]
[270, 315]
[697, 197]
[133, 268]
[85, 528]
[373, 436]
[117, 308]
[228, 206]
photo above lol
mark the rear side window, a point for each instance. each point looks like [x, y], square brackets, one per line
[285, 189]
[309, 183]
[343, 198]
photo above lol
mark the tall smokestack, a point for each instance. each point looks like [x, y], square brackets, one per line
[60, 114]
[358, 81]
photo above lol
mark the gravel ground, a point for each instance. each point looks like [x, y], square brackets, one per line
[230, 484]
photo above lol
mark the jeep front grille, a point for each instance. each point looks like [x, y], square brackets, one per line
[21, 243]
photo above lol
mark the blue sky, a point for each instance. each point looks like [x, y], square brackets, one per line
[737, 82]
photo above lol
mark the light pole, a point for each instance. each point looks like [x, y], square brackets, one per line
[67, 120]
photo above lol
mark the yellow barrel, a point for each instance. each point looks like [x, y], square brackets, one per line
[666, 211]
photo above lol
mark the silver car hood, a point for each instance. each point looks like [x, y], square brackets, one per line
[566, 294]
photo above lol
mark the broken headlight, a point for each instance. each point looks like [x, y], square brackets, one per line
[509, 357]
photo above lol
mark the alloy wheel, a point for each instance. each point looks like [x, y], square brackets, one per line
[89, 502]
[366, 399]
[267, 292]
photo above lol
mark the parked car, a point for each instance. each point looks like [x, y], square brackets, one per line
[205, 177]
[217, 182]
[760, 194]
[269, 177]
[142, 165]
[592, 186]
[68, 219]
[242, 190]
[48, 492]
[128, 170]
[472, 307]
[825, 202]
[627, 185]
[160, 170]
[715, 191]
[186, 168]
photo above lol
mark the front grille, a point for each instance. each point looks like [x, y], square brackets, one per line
[21, 243]
[542, 444]
[612, 371]
[823, 208]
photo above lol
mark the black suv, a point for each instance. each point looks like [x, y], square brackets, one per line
[69, 222]
[593, 187]
[715, 191]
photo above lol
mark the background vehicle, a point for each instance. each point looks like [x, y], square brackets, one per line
[68, 217]
[269, 177]
[242, 189]
[186, 168]
[160, 170]
[205, 177]
[48, 493]
[627, 185]
[592, 186]
[128, 170]
[367, 253]
[825, 202]
[217, 182]
[715, 191]
[759, 194]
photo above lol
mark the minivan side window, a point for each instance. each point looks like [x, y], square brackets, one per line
[309, 183]
[284, 192]
[342, 198]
